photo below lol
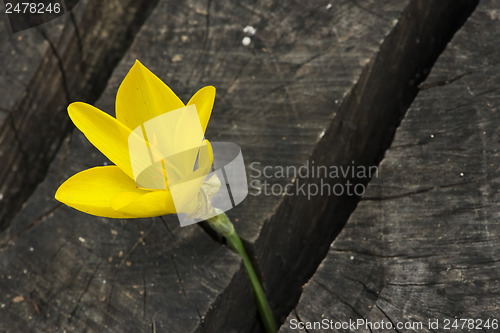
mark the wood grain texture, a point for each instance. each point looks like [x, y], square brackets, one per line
[423, 242]
[42, 70]
[298, 92]
[274, 99]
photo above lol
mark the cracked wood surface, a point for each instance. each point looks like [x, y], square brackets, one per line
[42, 70]
[423, 242]
[275, 99]
[284, 99]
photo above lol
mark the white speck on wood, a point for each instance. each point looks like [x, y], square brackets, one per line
[249, 30]
[246, 41]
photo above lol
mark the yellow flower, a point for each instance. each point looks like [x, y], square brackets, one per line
[111, 191]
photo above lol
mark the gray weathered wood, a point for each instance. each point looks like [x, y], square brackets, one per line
[264, 94]
[300, 90]
[42, 70]
[423, 242]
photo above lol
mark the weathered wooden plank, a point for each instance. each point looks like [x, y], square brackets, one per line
[362, 129]
[299, 86]
[44, 68]
[423, 242]
[261, 103]
[275, 99]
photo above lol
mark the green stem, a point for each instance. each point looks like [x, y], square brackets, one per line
[223, 225]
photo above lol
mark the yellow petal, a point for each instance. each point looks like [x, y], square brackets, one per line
[94, 190]
[210, 151]
[104, 132]
[204, 102]
[189, 140]
[154, 203]
[188, 191]
[143, 96]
